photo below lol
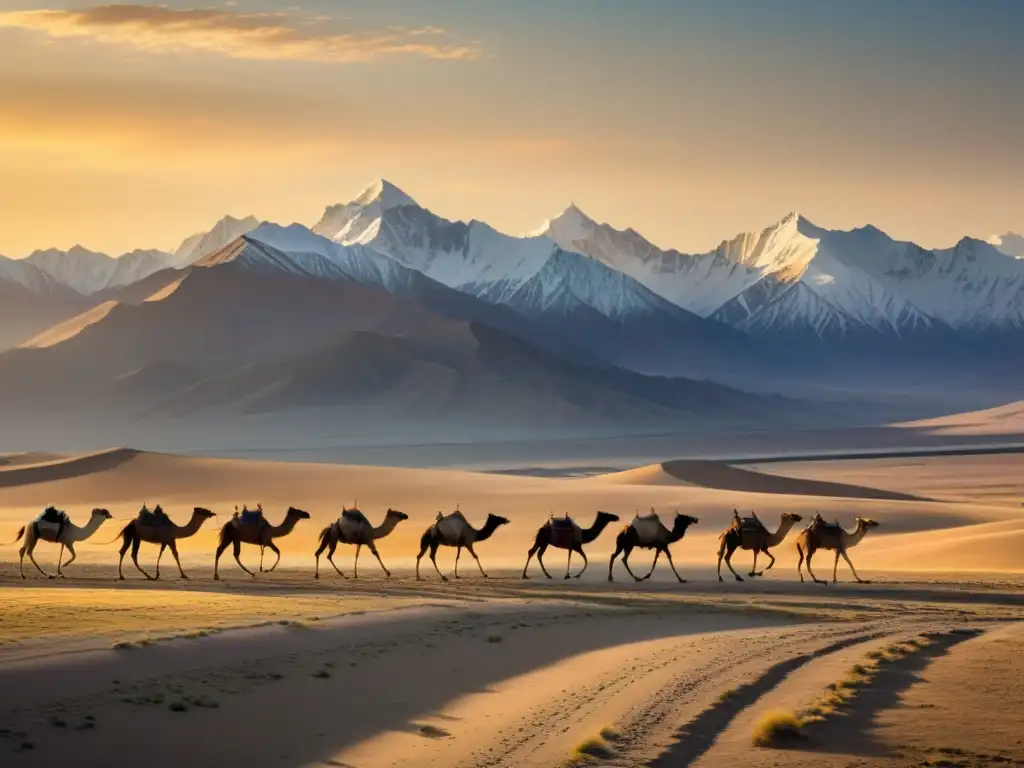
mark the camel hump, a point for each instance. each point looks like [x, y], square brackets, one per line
[251, 516]
[562, 523]
[50, 523]
[647, 528]
[354, 516]
[155, 517]
[452, 526]
[52, 515]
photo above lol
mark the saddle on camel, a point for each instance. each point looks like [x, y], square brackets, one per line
[50, 524]
[249, 516]
[747, 524]
[156, 516]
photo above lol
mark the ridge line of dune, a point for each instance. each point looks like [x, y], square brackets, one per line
[64, 469]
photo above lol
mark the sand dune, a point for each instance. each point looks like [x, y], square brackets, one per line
[725, 477]
[1002, 420]
[51, 470]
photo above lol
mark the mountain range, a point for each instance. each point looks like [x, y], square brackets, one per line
[386, 305]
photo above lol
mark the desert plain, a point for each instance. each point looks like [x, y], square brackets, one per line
[921, 666]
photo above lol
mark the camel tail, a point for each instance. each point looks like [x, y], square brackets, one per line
[323, 534]
[21, 532]
[425, 540]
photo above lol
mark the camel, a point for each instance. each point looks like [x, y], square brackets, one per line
[252, 528]
[352, 527]
[648, 532]
[822, 535]
[157, 528]
[751, 534]
[55, 526]
[565, 533]
[455, 531]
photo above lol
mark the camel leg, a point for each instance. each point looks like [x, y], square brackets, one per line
[220, 551]
[319, 551]
[721, 554]
[625, 562]
[373, 549]
[586, 562]
[60, 557]
[728, 562]
[568, 562]
[657, 554]
[772, 557]
[174, 551]
[618, 549]
[753, 568]
[330, 559]
[355, 566]
[458, 552]
[424, 545]
[810, 553]
[470, 548]
[846, 557]
[835, 568]
[28, 549]
[158, 556]
[21, 556]
[273, 548]
[800, 563]
[74, 555]
[540, 559]
[668, 554]
[433, 558]
[124, 548]
[136, 543]
[236, 551]
[262, 550]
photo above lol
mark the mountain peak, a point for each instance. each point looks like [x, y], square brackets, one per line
[385, 194]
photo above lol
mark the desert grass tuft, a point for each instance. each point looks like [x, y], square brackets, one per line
[594, 748]
[777, 727]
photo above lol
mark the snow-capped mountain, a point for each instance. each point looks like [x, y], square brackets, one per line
[203, 244]
[27, 275]
[798, 277]
[700, 283]
[1010, 243]
[89, 272]
[532, 274]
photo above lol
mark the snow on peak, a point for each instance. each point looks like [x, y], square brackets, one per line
[1010, 243]
[383, 193]
[359, 221]
[203, 244]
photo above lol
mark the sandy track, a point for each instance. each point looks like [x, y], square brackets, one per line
[496, 673]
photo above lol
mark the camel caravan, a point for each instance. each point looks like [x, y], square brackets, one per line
[353, 528]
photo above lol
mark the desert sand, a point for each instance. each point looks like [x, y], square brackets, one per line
[284, 670]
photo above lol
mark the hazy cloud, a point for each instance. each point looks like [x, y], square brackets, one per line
[262, 36]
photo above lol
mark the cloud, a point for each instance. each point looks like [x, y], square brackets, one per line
[259, 36]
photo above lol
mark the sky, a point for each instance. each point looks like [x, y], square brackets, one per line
[134, 125]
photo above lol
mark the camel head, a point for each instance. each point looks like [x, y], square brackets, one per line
[294, 512]
[202, 512]
[792, 516]
[396, 514]
[866, 522]
[607, 517]
[496, 520]
[682, 522]
[105, 514]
